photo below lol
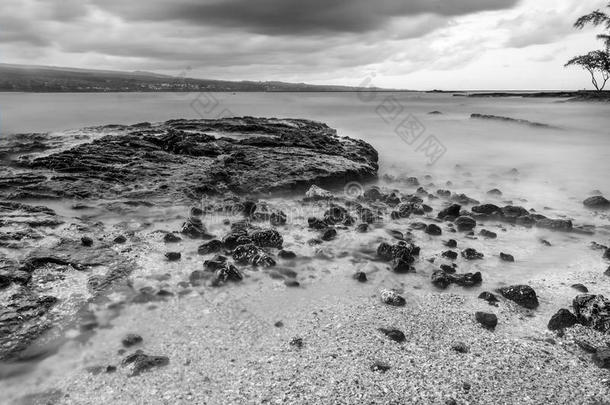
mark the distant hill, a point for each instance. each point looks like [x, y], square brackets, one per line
[59, 79]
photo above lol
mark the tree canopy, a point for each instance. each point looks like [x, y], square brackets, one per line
[597, 63]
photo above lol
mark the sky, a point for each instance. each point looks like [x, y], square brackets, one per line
[407, 44]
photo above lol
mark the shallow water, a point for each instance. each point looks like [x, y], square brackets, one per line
[557, 167]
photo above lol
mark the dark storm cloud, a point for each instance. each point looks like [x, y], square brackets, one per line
[294, 16]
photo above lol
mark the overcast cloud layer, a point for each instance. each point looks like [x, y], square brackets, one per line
[418, 44]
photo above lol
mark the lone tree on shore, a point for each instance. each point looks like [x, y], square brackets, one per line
[597, 63]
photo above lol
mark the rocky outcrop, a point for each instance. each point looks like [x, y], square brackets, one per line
[189, 158]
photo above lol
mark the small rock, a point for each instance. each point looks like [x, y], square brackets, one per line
[120, 239]
[86, 241]
[489, 297]
[545, 242]
[451, 243]
[450, 254]
[506, 257]
[471, 254]
[465, 223]
[212, 246]
[451, 211]
[580, 287]
[523, 295]
[488, 320]
[143, 362]
[131, 340]
[495, 192]
[433, 229]
[360, 276]
[317, 193]
[488, 234]
[593, 311]
[296, 342]
[460, 347]
[402, 265]
[286, 254]
[362, 228]
[279, 324]
[596, 202]
[292, 283]
[394, 334]
[173, 256]
[380, 366]
[329, 234]
[562, 319]
[171, 238]
[391, 297]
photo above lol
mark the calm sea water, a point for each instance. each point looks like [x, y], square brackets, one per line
[574, 155]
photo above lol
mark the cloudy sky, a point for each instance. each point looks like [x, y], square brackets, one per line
[414, 44]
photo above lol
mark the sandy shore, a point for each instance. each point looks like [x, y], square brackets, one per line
[233, 353]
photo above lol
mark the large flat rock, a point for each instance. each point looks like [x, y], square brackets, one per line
[185, 159]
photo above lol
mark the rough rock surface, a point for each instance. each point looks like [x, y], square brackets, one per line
[593, 311]
[523, 295]
[187, 158]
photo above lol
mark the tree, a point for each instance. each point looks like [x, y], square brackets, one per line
[596, 18]
[596, 63]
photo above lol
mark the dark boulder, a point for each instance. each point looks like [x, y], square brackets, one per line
[173, 256]
[360, 276]
[523, 295]
[215, 263]
[286, 254]
[267, 238]
[86, 241]
[593, 311]
[329, 234]
[391, 297]
[253, 255]
[597, 202]
[488, 234]
[562, 319]
[580, 288]
[450, 254]
[194, 229]
[403, 264]
[451, 243]
[131, 340]
[171, 238]
[440, 279]
[393, 334]
[488, 320]
[487, 209]
[555, 224]
[471, 254]
[465, 223]
[212, 246]
[225, 274]
[489, 297]
[506, 257]
[451, 211]
[433, 229]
